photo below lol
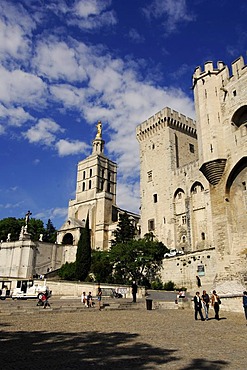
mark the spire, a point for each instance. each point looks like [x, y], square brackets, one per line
[98, 142]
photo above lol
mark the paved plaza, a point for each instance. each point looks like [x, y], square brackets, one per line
[64, 338]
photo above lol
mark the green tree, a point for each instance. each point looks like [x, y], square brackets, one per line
[83, 254]
[35, 228]
[10, 225]
[138, 260]
[50, 234]
[101, 266]
[67, 271]
[125, 230]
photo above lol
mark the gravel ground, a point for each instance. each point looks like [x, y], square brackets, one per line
[121, 339]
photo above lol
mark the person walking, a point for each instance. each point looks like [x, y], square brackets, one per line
[99, 296]
[198, 306]
[205, 303]
[245, 303]
[215, 301]
[134, 291]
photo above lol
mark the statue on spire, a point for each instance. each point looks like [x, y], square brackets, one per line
[99, 130]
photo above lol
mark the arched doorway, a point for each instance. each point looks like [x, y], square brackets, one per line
[68, 239]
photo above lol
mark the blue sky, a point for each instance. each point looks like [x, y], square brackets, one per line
[64, 65]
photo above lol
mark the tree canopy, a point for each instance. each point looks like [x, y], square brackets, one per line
[125, 230]
[12, 225]
[138, 260]
[83, 254]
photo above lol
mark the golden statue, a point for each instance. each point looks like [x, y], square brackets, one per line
[99, 130]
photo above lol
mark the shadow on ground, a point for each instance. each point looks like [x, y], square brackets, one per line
[58, 350]
[47, 350]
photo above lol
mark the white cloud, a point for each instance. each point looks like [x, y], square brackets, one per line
[128, 194]
[19, 87]
[56, 60]
[15, 116]
[173, 13]
[66, 147]
[43, 132]
[14, 35]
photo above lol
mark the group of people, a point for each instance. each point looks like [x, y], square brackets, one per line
[203, 301]
[87, 299]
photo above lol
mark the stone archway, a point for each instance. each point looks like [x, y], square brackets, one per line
[236, 201]
[68, 239]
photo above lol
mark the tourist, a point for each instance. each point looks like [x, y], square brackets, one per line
[205, 302]
[198, 280]
[198, 306]
[245, 303]
[45, 299]
[84, 298]
[89, 300]
[215, 301]
[134, 291]
[99, 296]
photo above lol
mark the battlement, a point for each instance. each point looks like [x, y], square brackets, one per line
[238, 68]
[166, 117]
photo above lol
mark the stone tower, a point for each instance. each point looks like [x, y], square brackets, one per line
[221, 112]
[174, 196]
[95, 198]
[194, 176]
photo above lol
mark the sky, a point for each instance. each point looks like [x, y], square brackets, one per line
[65, 64]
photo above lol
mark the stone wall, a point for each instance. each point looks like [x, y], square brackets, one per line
[182, 270]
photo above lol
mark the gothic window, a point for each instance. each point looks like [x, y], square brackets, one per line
[155, 198]
[151, 224]
[83, 186]
[84, 175]
[89, 184]
[150, 176]
[91, 172]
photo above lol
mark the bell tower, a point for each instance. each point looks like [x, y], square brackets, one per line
[95, 194]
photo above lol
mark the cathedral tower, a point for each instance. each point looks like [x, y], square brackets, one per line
[95, 197]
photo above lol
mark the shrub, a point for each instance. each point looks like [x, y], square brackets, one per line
[170, 285]
[157, 284]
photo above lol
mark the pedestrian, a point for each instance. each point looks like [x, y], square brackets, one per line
[245, 303]
[89, 300]
[45, 299]
[99, 296]
[215, 301]
[198, 280]
[205, 303]
[134, 291]
[84, 298]
[198, 306]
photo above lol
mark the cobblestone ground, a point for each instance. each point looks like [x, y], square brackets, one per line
[121, 339]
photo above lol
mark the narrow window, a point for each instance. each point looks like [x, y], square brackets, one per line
[192, 148]
[234, 92]
[89, 184]
[183, 220]
[91, 172]
[203, 236]
[155, 197]
[84, 175]
[109, 187]
[151, 225]
[150, 175]
[83, 186]
[244, 185]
